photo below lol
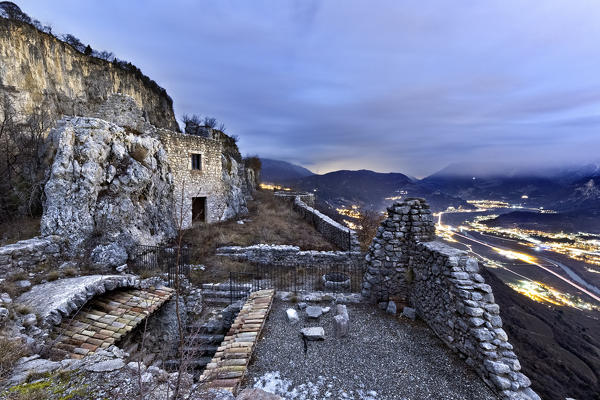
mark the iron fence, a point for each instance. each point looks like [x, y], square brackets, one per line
[322, 278]
[159, 260]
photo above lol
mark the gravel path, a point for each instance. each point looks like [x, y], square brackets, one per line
[382, 358]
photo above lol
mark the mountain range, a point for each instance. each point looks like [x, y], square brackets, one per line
[568, 189]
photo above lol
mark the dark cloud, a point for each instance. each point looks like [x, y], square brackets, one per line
[387, 85]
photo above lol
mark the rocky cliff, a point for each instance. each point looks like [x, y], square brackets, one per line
[38, 69]
[109, 189]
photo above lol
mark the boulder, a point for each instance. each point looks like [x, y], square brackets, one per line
[340, 326]
[292, 315]
[314, 311]
[313, 333]
[391, 308]
[108, 187]
[3, 314]
[409, 312]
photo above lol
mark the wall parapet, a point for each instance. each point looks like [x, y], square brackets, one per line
[338, 234]
[445, 287]
[290, 256]
[28, 254]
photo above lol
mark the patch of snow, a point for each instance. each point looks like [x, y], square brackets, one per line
[323, 388]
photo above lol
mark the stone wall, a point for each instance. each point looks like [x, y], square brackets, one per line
[290, 256]
[220, 179]
[26, 255]
[336, 233]
[443, 284]
[290, 196]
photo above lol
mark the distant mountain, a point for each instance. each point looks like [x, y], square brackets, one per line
[565, 189]
[473, 181]
[277, 171]
[370, 189]
[584, 220]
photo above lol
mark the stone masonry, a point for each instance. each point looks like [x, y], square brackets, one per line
[26, 255]
[290, 256]
[443, 284]
[220, 178]
[336, 233]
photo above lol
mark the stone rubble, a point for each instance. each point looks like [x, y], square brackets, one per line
[292, 315]
[314, 312]
[313, 333]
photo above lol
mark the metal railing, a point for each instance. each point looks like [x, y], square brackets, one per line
[322, 278]
[160, 260]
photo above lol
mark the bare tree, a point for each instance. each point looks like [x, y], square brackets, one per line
[21, 159]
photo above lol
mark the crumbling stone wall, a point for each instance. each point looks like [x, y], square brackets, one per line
[289, 196]
[290, 256]
[26, 255]
[443, 284]
[343, 237]
[220, 178]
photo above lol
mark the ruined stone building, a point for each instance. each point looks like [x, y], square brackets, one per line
[119, 172]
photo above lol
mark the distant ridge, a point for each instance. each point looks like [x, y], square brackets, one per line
[278, 171]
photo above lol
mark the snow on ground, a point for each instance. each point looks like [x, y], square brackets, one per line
[323, 388]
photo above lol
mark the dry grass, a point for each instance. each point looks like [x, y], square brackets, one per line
[10, 351]
[20, 228]
[270, 220]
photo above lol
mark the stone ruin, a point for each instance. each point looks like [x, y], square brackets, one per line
[116, 181]
[405, 264]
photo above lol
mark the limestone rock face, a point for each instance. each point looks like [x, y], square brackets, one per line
[234, 181]
[37, 69]
[109, 188]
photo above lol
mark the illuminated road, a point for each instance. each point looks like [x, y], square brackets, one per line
[580, 283]
[531, 260]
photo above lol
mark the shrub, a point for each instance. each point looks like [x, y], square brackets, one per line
[23, 309]
[52, 276]
[10, 351]
[70, 272]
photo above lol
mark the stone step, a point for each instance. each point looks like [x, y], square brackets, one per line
[196, 363]
[206, 339]
[226, 286]
[218, 300]
[224, 293]
[199, 350]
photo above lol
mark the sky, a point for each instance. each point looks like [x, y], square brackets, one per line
[392, 86]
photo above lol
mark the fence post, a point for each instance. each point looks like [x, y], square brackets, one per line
[295, 279]
[230, 287]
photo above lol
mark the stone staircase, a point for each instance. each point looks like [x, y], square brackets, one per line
[221, 293]
[229, 364]
[202, 339]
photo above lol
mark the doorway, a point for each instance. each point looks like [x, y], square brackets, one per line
[198, 209]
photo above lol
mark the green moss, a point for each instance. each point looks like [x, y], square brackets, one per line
[63, 385]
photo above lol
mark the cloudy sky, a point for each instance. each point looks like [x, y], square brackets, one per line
[404, 86]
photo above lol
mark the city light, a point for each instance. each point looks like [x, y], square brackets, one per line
[268, 186]
[543, 293]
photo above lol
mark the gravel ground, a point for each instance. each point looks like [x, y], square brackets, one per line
[382, 358]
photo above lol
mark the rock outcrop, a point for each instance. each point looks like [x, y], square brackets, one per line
[37, 69]
[109, 188]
